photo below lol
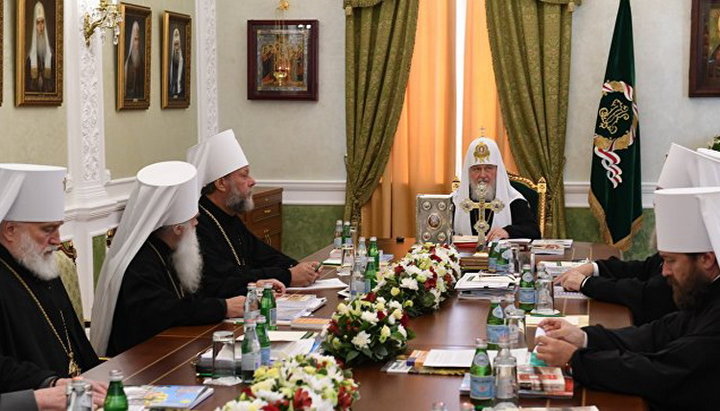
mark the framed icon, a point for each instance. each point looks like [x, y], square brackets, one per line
[283, 59]
[705, 49]
[176, 60]
[133, 58]
[39, 53]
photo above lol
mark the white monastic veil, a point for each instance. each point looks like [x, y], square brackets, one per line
[10, 184]
[135, 30]
[503, 190]
[149, 208]
[40, 11]
[710, 209]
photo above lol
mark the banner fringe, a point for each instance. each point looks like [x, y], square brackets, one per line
[599, 213]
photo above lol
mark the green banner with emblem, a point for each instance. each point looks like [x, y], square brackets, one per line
[615, 184]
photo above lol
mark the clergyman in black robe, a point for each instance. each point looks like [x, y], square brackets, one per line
[18, 379]
[638, 285]
[223, 276]
[152, 299]
[25, 333]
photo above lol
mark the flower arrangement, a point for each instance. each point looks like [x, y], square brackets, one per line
[367, 329]
[445, 259]
[304, 382]
[417, 288]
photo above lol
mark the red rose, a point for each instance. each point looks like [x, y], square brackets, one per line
[381, 315]
[371, 297]
[301, 400]
[345, 398]
[404, 319]
[271, 407]
[398, 269]
[436, 258]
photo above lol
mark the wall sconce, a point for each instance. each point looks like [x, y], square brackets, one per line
[105, 16]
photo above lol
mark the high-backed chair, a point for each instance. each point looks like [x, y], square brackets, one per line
[65, 258]
[534, 193]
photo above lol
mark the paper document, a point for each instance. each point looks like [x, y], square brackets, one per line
[578, 320]
[284, 336]
[449, 358]
[321, 285]
[520, 354]
[570, 295]
[474, 281]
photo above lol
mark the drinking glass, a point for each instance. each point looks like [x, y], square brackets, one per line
[223, 354]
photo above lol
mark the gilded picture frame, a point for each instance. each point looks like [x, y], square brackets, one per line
[282, 60]
[705, 49]
[134, 58]
[176, 60]
[39, 53]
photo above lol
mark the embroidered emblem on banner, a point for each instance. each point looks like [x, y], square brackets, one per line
[616, 127]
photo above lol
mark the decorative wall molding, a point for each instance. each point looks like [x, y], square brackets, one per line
[309, 192]
[576, 194]
[206, 73]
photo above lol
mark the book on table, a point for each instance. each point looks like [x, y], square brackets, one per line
[166, 396]
[536, 382]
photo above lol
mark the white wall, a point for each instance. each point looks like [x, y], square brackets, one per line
[285, 140]
[661, 30]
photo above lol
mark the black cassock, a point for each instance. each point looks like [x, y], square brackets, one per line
[638, 285]
[21, 375]
[222, 275]
[151, 300]
[672, 362]
[25, 333]
[524, 224]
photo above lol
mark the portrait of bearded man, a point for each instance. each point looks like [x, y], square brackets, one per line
[175, 76]
[135, 64]
[39, 61]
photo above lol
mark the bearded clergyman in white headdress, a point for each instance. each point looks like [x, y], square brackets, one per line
[175, 77]
[40, 56]
[153, 268]
[37, 321]
[484, 163]
[135, 65]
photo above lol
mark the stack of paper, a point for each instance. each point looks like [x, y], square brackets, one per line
[480, 286]
[292, 306]
[166, 396]
[550, 246]
[324, 284]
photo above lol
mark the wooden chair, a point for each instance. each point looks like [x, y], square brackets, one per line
[534, 193]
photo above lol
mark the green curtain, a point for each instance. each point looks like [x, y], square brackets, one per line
[530, 45]
[379, 36]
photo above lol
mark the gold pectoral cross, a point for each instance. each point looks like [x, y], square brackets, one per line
[481, 226]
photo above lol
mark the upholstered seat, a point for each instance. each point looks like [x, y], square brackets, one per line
[65, 257]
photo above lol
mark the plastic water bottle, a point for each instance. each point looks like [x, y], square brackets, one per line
[250, 351]
[252, 305]
[506, 387]
[338, 239]
[482, 382]
[362, 252]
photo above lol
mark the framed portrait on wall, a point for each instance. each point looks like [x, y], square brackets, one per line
[133, 58]
[283, 59]
[176, 58]
[39, 53]
[705, 49]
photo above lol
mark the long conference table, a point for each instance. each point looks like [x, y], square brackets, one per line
[167, 359]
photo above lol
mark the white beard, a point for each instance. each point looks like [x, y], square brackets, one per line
[187, 260]
[489, 191]
[41, 262]
[238, 203]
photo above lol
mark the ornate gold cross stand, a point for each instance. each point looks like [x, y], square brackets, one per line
[481, 226]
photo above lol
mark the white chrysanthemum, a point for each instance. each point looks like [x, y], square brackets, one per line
[413, 270]
[402, 331]
[372, 318]
[342, 309]
[409, 283]
[394, 305]
[319, 403]
[254, 405]
[270, 396]
[361, 340]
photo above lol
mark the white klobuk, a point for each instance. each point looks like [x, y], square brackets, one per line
[32, 193]
[688, 219]
[165, 194]
[216, 157]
